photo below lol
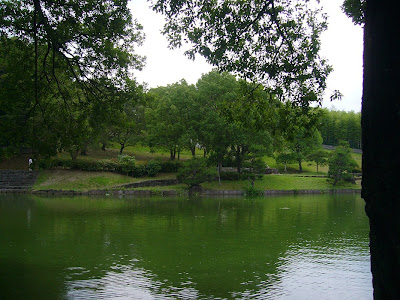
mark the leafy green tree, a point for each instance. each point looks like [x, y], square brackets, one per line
[285, 158]
[126, 127]
[215, 91]
[173, 118]
[77, 58]
[273, 42]
[319, 156]
[340, 125]
[381, 64]
[341, 164]
[240, 116]
[195, 171]
[297, 126]
[303, 143]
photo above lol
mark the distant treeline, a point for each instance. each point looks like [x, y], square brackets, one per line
[340, 125]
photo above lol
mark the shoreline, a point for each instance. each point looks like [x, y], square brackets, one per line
[176, 193]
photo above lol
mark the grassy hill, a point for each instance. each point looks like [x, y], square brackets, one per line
[81, 181]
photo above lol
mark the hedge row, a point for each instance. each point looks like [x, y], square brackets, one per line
[127, 166]
[121, 166]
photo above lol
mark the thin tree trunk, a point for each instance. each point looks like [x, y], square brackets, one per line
[219, 171]
[380, 121]
[238, 160]
[193, 150]
[122, 148]
[172, 153]
[74, 154]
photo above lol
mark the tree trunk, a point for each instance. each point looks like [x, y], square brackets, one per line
[103, 147]
[219, 171]
[172, 153]
[74, 154]
[381, 144]
[317, 167]
[122, 148]
[300, 167]
[193, 150]
[238, 160]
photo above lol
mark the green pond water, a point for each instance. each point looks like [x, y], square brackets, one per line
[292, 247]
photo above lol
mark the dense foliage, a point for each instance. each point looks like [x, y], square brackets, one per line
[64, 71]
[341, 164]
[195, 171]
[274, 42]
[340, 125]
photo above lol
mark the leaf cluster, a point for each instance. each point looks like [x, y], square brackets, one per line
[275, 42]
[341, 164]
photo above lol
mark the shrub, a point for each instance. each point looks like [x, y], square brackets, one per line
[126, 163]
[107, 165]
[170, 166]
[138, 171]
[153, 167]
[195, 171]
[257, 166]
[341, 164]
[252, 191]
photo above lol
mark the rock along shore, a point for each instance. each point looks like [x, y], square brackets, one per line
[179, 193]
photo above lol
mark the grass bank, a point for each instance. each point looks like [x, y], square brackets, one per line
[84, 181]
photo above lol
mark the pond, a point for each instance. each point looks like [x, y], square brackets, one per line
[288, 247]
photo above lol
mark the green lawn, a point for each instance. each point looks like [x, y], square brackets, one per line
[282, 182]
[83, 181]
[308, 167]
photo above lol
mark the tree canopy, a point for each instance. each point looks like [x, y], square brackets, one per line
[63, 68]
[274, 42]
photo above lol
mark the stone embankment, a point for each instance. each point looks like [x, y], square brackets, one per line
[12, 181]
[228, 193]
[17, 180]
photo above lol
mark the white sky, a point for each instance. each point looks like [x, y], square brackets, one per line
[342, 45]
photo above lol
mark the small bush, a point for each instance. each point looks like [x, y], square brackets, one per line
[170, 166]
[153, 167]
[107, 165]
[252, 191]
[195, 171]
[126, 163]
[138, 171]
[257, 166]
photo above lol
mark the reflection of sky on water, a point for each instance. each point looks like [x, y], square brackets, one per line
[307, 272]
[326, 273]
[338, 271]
[127, 282]
[267, 248]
